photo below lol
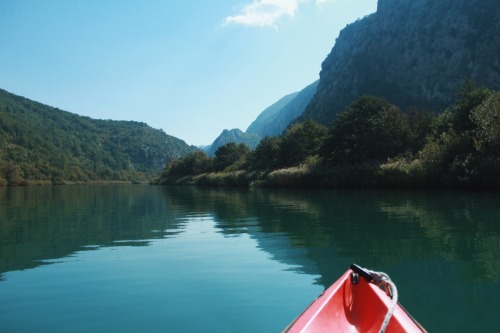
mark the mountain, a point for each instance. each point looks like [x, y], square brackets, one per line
[235, 135]
[39, 142]
[276, 118]
[270, 122]
[413, 53]
[266, 117]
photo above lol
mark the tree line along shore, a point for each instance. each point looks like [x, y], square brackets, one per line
[371, 144]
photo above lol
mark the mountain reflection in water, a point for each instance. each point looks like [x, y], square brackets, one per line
[440, 247]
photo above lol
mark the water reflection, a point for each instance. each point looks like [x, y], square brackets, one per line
[381, 228]
[312, 230]
[441, 247]
[42, 223]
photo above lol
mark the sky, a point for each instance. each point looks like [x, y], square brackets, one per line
[189, 67]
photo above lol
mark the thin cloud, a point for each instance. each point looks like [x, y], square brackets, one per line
[261, 13]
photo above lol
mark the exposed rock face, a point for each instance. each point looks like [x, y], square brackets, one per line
[414, 53]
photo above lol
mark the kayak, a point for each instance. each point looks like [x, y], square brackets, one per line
[359, 301]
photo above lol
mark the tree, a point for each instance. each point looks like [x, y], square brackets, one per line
[265, 155]
[300, 141]
[458, 116]
[463, 147]
[419, 123]
[486, 118]
[194, 163]
[371, 129]
[230, 155]
[10, 172]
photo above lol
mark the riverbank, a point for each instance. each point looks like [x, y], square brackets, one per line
[31, 182]
[394, 175]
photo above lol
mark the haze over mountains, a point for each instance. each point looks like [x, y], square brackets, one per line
[415, 53]
[271, 122]
[275, 119]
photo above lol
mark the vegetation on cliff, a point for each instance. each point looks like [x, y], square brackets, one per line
[372, 143]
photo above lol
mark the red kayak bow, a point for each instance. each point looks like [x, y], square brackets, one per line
[356, 303]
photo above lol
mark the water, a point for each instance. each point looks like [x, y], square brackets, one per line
[129, 258]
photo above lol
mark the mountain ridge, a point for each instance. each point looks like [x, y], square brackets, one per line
[40, 142]
[280, 119]
[270, 122]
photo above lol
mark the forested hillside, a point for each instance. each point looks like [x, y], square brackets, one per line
[39, 143]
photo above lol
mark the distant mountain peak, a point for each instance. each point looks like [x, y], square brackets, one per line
[270, 122]
[234, 135]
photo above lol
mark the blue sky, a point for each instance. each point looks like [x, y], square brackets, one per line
[189, 67]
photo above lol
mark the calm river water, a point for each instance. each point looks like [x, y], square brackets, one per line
[136, 258]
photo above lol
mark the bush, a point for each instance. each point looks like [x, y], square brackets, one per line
[401, 172]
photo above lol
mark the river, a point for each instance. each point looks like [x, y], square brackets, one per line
[138, 258]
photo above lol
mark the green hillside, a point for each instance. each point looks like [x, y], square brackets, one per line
[39, 143]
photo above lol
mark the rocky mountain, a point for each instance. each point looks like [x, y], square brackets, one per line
[39, 142]
[270, 122]
[276, 118]
[265, 118]
[235, 135]
[414, 53]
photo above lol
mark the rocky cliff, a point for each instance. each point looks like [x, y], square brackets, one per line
[414, 53]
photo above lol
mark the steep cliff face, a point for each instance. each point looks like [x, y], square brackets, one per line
[414, 53]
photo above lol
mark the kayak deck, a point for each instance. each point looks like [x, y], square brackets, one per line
[352, 307]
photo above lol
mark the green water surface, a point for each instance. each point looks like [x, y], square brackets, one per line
[136, 258]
